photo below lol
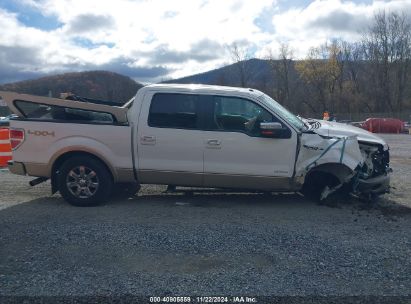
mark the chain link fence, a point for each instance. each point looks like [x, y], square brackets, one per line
[354, 117]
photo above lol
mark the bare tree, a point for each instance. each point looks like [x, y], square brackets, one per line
[240, 56]
[356, 81]
[321, 72]
[281, 67]
[387, 47]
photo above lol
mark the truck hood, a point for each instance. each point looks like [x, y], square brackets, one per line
[335, 129]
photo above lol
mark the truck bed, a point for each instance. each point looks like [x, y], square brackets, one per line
[49, 136]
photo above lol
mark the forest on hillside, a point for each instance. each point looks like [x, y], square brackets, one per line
[102, 85]
[371, 75]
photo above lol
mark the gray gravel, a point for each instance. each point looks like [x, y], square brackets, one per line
[207, 244]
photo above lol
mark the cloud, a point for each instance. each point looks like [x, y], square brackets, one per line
[19, 55]
[139, 73]
[305, 27]
[14, 68]
[154, 39]
[170, 14]
[19, 63]
[201, 51]
[341, 21]
[164, 40]
[89, 22]
[10, 74]
[264, 21]
[157, 36]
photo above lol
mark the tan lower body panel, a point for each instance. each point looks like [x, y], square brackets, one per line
[265, 183]
[170, 178]
[39, 170]
[124, 175]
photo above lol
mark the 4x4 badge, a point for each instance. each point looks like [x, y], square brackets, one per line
[41, 133]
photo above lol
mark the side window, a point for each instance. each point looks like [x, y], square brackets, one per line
[239, 115]
[39, 111]
[177, 111]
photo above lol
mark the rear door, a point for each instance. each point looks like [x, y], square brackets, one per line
[169, 140]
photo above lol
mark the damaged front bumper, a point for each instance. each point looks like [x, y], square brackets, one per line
[374, 174]
[376, 185]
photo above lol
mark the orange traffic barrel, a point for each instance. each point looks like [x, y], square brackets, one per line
[5, 147]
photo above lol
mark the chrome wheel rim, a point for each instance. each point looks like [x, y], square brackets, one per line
[82, 182]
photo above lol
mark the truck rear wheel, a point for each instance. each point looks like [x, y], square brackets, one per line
[84, 181]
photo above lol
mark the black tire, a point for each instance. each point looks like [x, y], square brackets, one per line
[315, 183]
[84, 181]
[126, 189]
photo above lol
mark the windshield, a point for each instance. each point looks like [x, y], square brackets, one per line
[283, 112]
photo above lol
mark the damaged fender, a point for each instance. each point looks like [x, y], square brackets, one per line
[316, 150]
[336, 155]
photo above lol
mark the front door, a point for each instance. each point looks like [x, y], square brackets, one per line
[237, 155]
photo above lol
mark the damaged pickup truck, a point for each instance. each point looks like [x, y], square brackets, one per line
[189, 135]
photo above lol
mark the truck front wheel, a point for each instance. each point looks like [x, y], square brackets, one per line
[84, 181]
[315, 184]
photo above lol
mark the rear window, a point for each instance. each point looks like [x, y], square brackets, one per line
[40, 111]
[174, 111]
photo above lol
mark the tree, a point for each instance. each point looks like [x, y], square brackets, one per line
[240, 56]
[281, 68]
[321, 72]
[387, 47]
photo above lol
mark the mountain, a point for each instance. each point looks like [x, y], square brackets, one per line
[93, 84]
[257, 73]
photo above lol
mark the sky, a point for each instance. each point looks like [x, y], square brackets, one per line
[155, 40]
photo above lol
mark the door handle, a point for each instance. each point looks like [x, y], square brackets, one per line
[214, 143]
[148, 140]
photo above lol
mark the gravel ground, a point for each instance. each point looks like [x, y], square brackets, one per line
[207, 244]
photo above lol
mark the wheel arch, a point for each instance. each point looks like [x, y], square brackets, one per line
[337, 170]
[59, 159]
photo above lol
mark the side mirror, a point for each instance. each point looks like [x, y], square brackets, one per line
[270, 126]
[274, 130]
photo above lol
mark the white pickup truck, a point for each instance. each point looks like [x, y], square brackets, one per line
[189, 135]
